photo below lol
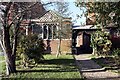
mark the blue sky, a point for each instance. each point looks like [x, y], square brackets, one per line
[74, 11]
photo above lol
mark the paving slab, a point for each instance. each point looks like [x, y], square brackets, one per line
[92, 71]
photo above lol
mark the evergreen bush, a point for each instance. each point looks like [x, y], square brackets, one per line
[30, 49]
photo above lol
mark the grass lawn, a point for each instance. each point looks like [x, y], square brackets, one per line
[2, 58]
[62, 68]
[2, 65]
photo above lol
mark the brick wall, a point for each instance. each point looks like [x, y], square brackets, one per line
[52, 45]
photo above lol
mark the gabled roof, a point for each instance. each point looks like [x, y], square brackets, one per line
[50, 16]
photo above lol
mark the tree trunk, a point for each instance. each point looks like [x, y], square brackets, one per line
[10, 58]
[15, 47]
[93, 51]
[59, 46]
[14, 50]
[59, 42]
[10, 64]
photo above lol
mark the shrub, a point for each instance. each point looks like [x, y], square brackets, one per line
[116, 56]
[30, 49]
[100, 42]
[116, 52]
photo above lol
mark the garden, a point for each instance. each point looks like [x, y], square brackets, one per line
[32, 63]
[51, 68]
[110, 62]
[103, 52]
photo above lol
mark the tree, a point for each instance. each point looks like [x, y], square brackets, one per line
[62, 9]
[106, 13]
[6, 24]
[12, 14]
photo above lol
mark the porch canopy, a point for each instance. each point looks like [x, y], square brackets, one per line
[84, 27]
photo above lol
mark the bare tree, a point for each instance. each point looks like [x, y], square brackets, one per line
[11, 18]
[62, 9]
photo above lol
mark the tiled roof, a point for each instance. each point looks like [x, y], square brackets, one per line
[50, 16]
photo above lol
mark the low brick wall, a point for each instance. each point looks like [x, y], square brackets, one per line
[51, 46]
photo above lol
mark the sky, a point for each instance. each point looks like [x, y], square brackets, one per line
[73, 10]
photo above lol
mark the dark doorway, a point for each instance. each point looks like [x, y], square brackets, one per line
[86, 39]
[81, 42]
[86, 43]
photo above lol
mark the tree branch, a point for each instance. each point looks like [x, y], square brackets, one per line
[19, 14]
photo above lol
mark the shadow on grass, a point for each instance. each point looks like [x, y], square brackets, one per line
[108, 63]
[58, 70]
[41, 79]
[54, 65]
[52, 68]
[60, 61]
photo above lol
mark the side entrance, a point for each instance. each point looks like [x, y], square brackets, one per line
[81, 42]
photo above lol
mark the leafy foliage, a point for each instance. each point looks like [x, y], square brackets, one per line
[100, 42]
[105, 12]
[106, 15]
[116, 54]
[30, 49]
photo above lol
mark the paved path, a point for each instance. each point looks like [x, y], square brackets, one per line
[92, 71]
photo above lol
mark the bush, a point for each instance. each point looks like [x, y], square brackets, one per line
[30, 49]
[116, 54]
[100, 42]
